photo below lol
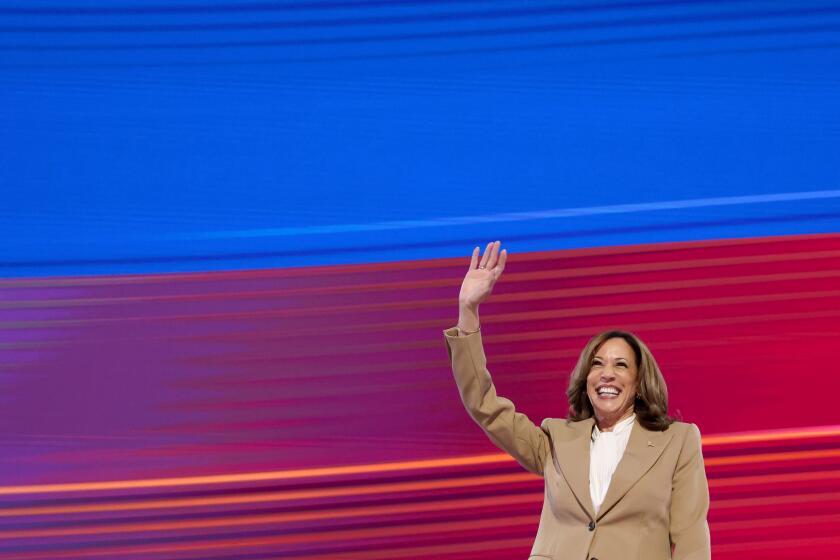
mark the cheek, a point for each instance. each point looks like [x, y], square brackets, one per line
[629, 379]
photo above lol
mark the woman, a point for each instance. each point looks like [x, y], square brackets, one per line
[623, 480]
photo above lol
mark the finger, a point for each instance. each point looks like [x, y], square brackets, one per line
[494, 255]
[501, 266]
[486, 255]
[474, 258]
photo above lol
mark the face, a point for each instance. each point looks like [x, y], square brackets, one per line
[612, 380]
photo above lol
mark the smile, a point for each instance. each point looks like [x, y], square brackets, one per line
[608, 392]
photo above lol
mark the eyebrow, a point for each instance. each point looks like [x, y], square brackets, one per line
[600, 358]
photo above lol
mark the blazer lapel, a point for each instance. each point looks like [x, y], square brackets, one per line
[571, 458]
[643, 449]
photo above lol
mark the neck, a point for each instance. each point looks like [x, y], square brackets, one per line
[606, 424]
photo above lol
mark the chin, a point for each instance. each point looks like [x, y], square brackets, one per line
[611, 411]
[608, 411]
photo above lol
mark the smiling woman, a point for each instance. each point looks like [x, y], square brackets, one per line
[617, 376]
[622, 478]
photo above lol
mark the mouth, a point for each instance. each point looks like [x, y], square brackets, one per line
[608, 392]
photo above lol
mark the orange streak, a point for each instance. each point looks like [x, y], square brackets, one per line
[258, 476]
[766, 457]
[742, 481]
[774, 522]
[776, 500]
[369, 511]
[232, 521]
[282, 496]
[376, 489]
[342, 535]
[770, 435]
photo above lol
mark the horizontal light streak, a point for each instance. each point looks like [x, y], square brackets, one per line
[660, 305]
[646, 326]
[664, 305]
[745, 481]
[496, 545]
[455, 263]
[510, 278]
[420, 507]
[511, 216]
[340, 535]
[616, 288]
[541, 334]
[295, 474]
[279, 496]
[377, 488]
[738, 525]
[772, 435]
[772, 457]
[767, 523]
[456, 482]
[400, 531]
[777, 545]
[296, 517]
[776, 500]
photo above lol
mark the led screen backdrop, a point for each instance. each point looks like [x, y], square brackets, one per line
[233, 233]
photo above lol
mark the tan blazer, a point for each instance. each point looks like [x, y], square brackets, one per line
[658, 496]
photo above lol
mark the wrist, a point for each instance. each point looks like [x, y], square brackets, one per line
[465, 332]
[468, 322]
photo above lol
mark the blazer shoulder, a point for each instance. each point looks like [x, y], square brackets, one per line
[685, 430]
[681, 426]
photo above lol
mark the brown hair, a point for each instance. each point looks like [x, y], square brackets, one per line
[651, 404]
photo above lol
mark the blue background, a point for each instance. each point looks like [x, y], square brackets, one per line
[150, 137]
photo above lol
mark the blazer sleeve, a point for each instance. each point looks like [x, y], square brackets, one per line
[510, 430]
[689, 529]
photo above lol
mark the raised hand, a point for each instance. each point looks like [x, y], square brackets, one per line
[482, 276]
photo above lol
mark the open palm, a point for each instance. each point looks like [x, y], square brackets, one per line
[482, 274]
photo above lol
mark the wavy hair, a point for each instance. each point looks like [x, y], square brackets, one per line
[651, 403]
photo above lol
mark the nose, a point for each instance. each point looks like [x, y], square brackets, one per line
[608, 372]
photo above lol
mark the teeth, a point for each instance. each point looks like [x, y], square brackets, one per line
[608, 391]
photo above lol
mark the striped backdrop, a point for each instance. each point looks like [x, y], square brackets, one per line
[310, 412]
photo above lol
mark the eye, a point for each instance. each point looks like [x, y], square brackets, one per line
[622, 364]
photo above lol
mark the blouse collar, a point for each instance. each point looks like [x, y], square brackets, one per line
[619, 428]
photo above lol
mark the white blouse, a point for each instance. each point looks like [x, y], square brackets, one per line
[605, 451]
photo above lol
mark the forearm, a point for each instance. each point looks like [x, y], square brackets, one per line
[509, 429]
